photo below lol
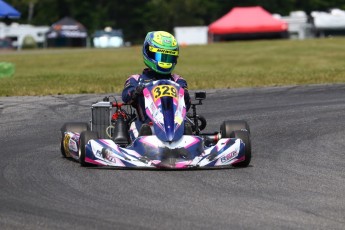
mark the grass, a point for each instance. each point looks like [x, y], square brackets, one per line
[218, 65]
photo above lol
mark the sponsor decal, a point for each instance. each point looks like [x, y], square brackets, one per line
[165, 65]
[228, 157]
[108, 155]
[152, 107]
[178, 119]
[127, 84]
[73, 145]
[66, 144]
[98, 154]
[164, 51]
[168, 41]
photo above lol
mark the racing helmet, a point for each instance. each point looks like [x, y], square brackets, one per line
[160, 51]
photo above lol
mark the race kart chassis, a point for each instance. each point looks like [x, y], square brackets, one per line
[109, 142]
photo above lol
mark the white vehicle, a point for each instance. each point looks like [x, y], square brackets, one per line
[18, 32]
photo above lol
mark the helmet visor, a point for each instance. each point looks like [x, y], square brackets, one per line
[162, 55]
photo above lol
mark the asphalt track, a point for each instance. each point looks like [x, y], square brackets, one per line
[295, 180]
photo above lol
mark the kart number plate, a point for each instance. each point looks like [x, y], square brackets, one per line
[164, 91]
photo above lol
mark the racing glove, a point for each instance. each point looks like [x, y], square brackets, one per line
[137, 92]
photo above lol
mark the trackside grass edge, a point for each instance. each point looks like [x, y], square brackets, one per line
[218, 65]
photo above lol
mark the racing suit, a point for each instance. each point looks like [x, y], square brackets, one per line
[149, 75]
[129, 95]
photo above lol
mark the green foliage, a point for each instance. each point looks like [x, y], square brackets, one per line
[137, 17]
[220, 65]
[29, 42]
[6, 69]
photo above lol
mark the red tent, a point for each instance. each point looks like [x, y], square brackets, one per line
[247, 20]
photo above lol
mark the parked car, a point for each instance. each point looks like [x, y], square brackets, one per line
[6, 44]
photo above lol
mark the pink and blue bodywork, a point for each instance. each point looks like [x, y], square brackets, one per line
[168, 147]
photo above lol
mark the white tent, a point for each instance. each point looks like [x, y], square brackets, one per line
[335, 19]
[191, 35]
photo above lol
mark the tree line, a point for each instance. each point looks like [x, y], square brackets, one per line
[137, 17]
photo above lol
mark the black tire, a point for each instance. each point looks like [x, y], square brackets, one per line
[228, 127]
[245, 137]
[62, 149]
[202, 122]
[77, 127]
[85, 136]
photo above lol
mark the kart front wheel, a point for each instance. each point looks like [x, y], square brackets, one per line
[245, 137]
[85, 136]
[76, 127]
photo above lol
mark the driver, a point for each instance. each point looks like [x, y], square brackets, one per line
[160, 52]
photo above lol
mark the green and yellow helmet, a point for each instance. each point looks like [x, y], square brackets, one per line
[160, 51]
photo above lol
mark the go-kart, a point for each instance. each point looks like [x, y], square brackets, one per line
[172, 139]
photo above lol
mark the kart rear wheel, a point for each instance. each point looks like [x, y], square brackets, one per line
[85, 136]
[227, 128]
[245, 137]
[77, 127]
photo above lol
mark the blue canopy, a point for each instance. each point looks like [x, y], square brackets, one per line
[7, 10]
